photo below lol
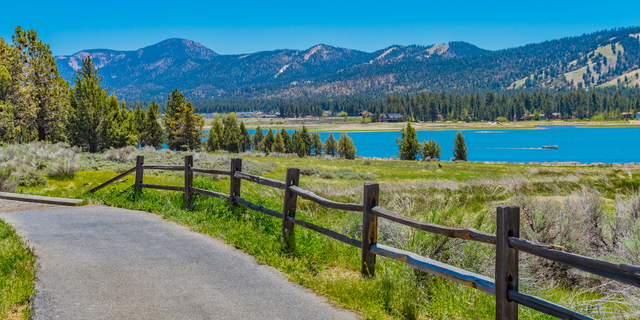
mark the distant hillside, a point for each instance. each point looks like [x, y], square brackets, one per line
[604, 58]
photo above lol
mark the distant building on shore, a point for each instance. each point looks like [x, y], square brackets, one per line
[390, 117]
[637, 115]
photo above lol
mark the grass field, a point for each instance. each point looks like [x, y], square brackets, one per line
[589, 210]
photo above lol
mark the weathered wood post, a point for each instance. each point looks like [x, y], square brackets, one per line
[188, 178]
[369, 228]
[289, 210]
[236, 165]
[508, 223]
[139, 173]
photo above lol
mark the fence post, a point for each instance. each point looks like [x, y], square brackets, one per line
[508, 224]
[188, 178]
[289, 210]
[236, 165]
[369, 228]
[139, 173]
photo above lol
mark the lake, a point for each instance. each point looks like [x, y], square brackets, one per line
[608, 145]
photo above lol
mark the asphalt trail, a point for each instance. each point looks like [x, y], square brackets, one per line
[98, 262]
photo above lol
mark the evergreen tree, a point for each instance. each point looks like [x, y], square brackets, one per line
[346, 148]
[431, 150]
[286, 138]
[301, 150]
[50, 91]
[459, 148]
[110, 126]
[330, 145]
[267, 142]
[306, 138]
[408, 144]
[233, 144]
[87, 101]
[128, 131]
[186, 129]
[171, 118]
[257, 138]
[245, 144]
[139, 121]
[212, 141]
[317, 143]
[152, 134]
[230, 126]
[218, 129]
[278, 145]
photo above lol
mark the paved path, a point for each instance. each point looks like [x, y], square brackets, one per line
[99, 262]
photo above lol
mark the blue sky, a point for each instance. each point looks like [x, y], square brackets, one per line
[231, 27]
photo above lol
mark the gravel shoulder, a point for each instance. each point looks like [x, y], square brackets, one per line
[98, 262]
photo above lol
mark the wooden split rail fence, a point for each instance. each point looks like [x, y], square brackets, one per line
[507, 241]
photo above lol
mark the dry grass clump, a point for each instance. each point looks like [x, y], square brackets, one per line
[6, 183]
[121, 155]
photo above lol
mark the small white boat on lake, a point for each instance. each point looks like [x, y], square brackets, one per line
[550, 147]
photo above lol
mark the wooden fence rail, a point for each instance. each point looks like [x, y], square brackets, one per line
[507, 241]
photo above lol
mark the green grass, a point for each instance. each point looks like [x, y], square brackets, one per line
[17, 275]
[458, 194]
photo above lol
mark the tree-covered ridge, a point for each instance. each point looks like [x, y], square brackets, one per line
[597, 59]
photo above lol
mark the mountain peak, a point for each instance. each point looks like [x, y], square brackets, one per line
[180, 48]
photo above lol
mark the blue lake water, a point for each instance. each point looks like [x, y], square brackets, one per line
[609, 145]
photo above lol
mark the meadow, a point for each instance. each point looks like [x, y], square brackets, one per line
[594, 211]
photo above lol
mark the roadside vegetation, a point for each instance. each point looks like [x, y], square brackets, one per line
[17, 274]
[594, 211]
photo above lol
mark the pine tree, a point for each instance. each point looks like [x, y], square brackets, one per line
[218, 129]
[87, 101]
[306, 138]
[286, 139]
[257, 138]
[233, 145]
[267, 142]
[174, 101]
[346, 148]
[317, 143]
[301, 150]
[245, 144]
[431, 150]
[459, 148]
[330, 145]
[188, 128]
[128, 128]
[152, 135]
[139, 119]
[279, 146]
[50, 91]
[230, 126]
[408, 144]
[110, 126]
[212, 141]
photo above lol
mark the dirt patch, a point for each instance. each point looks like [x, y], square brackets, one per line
[7, 206]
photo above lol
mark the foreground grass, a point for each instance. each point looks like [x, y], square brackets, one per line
[458, 194]
[17, 275]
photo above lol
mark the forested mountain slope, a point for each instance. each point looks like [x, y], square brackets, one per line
[603, 58]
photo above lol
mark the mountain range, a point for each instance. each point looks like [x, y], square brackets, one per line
[604, 58]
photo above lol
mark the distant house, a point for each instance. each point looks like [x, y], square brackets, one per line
[527, 116]
[543, 117]
[556, 115]
[625, 115]
[326, 113]
[390, 117]
[637, 115]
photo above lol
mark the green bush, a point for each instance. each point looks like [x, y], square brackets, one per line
[32, 179]
[502, 119]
